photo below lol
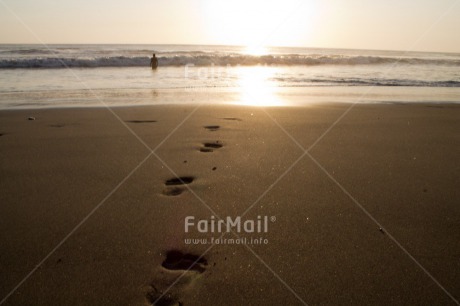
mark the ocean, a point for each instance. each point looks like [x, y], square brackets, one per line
[35, 76]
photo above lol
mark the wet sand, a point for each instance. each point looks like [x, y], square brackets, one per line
[98, 200]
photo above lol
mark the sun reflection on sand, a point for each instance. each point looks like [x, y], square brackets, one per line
[256, 87]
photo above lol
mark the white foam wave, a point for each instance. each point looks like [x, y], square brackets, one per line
[202, 59]
[305, 82]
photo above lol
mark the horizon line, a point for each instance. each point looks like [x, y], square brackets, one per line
[242, 46]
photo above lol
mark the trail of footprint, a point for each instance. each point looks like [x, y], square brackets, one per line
[172, 188]
[210, 146]
[141, 121]
[175, 260]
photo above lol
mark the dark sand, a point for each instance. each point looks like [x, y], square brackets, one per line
[400, 162]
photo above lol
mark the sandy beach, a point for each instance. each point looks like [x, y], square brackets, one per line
[362, 209]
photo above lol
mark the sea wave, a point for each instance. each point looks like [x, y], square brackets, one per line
[302, 82]
[200, 59]
[56, 62]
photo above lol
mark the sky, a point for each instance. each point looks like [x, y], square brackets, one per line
[422, 25]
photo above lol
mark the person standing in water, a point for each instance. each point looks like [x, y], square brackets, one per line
[154, 62]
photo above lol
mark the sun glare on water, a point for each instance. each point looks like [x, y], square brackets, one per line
[256, 87]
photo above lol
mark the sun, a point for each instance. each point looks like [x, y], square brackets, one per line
[250, 23]
[255, 50]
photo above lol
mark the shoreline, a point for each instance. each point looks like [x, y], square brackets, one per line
[268, 97]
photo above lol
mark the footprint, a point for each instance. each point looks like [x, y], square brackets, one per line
[141, 121]
[210, 146]
[183, 180]
[232, 119]
[157, 298]
[58, 125]
[168, 289]
[173, 192]
[212, 128]
[172, 188]
[206, 150]
[176, 260]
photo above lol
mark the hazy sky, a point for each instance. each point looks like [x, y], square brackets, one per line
[427, 25]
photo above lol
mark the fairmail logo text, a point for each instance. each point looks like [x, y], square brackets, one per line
[228, 224]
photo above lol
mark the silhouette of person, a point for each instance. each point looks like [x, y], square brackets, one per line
[154, 62]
